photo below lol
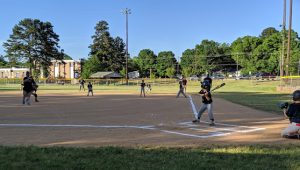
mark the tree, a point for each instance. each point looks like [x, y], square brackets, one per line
[165, 59]
[266, 55]
[67, 57]
[33, 42]
[109, 51]
[170, 72]
[3, 63]
[206, 56]
[118, 57]
[242, 52]
[268, 32]
[146, 60]
[92, 65]
[294, 64]
[188, 63]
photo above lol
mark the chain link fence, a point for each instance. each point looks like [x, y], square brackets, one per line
[289, 83]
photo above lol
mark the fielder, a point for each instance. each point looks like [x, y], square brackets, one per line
[27, 88]
[90, 89]
[181, 90]
[35, 87]
[143, 84]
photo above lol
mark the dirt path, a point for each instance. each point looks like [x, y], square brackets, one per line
[128, 120]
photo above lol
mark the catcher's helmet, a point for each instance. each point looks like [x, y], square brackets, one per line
[296, 95]
[205, 85]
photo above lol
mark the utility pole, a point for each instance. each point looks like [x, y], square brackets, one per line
[126, 12]
[299, 67]
[289, 39]
[177, 69]
[237, 66]
[281, 61]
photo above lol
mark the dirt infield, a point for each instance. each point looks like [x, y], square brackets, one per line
[128, 120]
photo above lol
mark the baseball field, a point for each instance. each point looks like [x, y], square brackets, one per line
[118, 129]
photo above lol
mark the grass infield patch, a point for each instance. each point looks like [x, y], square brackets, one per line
[215, 157]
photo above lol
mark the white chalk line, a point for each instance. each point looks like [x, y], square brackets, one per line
[77, 126]
[191, 135]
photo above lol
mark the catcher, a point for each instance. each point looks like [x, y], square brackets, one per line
[293, 113]
[206, 103]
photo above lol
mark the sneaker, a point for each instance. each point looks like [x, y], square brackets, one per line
[196, 121]
[212, 124]
[37, 100]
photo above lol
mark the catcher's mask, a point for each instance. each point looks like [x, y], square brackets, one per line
[205, 85]
[296, 95]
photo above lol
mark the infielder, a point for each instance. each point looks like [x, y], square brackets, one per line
[181, 90]
[143, 84]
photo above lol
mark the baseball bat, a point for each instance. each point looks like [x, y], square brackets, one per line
[217, 87]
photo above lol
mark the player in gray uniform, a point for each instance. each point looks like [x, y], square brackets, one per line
[181, 90]
[206, 103]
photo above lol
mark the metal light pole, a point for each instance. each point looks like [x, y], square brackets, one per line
[283, 40]
[289, 39]
[126, 12]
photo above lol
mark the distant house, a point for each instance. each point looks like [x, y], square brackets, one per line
[106, 75]
[134, 74]
[13, 72]
[65, 69]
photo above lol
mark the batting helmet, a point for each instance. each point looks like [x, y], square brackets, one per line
[205, 85]
[296, 95]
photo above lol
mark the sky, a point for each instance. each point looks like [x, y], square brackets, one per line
[159, 25]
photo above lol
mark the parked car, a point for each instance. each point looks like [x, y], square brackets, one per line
[217, 76]
[243, 77]
[265, 76]
[194, 77]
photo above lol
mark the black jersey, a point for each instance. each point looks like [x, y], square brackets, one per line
[204, 99]
[293, 112]
[28, 84]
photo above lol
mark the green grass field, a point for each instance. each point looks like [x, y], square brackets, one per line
[215, 157]
[260, 95]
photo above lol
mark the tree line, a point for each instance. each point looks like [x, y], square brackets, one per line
[34, 43]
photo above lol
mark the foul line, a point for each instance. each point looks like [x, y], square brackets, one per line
[76, 126]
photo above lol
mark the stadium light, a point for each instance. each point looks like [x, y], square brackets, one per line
[126, 11]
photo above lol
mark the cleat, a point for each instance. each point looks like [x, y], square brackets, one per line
[212, 124]
[196, 121]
